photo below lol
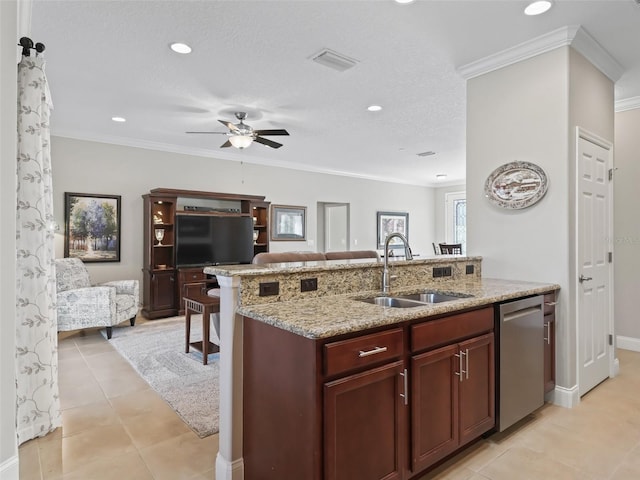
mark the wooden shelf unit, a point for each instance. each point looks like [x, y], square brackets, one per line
[163, 282]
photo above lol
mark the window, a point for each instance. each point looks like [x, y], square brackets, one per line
[456, 218]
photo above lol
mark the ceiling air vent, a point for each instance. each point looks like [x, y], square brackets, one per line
[334, 60]
[426, 154]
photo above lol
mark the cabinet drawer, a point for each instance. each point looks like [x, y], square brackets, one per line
[451, 329]
[191, 276]
[361, 351]
[550, 303]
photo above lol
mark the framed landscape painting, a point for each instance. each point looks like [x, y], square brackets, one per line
[92, 227]
[390, 222]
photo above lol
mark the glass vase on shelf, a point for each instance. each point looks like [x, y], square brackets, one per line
[159, 236]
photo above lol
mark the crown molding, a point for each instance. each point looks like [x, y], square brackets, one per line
[233, 157]
[627, 104]
[573, 35]
[584, 43]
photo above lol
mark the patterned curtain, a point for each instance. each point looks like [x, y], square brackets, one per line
[38, 404]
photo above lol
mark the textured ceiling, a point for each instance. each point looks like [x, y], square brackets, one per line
[111, 58]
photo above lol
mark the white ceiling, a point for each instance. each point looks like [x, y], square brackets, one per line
[112, 58]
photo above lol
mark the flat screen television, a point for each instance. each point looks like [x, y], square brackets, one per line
[213, 240]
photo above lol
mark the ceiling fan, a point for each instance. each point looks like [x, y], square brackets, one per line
[242, 135]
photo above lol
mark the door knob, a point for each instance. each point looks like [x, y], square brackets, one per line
[582, 278]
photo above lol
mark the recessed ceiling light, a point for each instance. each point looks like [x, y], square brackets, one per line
[119, 119]
[441, 176]
[404, 2]
[538, 7]
[374, 108]
[180, 48]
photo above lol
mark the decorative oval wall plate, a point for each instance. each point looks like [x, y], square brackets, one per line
[516, 185]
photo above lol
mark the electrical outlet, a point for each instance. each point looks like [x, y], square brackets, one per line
[269, 288]
[442, 272]
[308, 284]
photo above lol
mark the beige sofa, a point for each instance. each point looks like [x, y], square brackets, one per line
[287, 257]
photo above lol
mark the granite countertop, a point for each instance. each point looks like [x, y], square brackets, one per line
[334, 315]
[325, 265]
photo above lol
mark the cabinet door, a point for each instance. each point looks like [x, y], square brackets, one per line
[434, 404]
[477, 388]
[163, 290]
[364, 425]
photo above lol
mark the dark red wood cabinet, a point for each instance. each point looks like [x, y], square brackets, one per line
[164, 284]
[383, 404]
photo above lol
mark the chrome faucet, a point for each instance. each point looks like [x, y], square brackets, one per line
[386, 278]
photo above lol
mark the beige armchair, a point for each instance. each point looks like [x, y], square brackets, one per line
[82, 305]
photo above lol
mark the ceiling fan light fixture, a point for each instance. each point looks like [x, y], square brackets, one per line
[241, 141]
[538, 7]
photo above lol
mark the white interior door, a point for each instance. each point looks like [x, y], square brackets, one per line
[336, 227]
[593, 266]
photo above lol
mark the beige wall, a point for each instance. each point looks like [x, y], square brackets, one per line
[91, 167]
[626, 240]
[8, 95]
[529, 111]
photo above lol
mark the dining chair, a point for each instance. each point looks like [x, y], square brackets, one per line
[451, 248]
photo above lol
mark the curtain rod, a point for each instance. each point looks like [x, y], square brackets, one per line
[27, 44]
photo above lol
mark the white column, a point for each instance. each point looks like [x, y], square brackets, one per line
[229, 462]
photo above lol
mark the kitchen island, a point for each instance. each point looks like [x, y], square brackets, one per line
[272, 299]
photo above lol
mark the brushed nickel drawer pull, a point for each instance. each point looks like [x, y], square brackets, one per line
[375, 351]
[460, 371]
[466, 360]
[551, 304]
[405, 387]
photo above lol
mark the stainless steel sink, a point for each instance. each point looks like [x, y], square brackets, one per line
[413, 300]
[432, 297]
[395, 302]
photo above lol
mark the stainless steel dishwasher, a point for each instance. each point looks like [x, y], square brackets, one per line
[521, 359]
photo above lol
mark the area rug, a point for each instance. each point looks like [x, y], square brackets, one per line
[156, 350]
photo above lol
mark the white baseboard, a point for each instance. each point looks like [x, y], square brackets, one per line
[565, 397]
[226, 470]
[628, 343]
[9, 469]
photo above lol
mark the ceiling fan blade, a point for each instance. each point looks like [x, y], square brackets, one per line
[279, 131]
[215, 133]
[268, 143]
[226, 144]
[229, 125]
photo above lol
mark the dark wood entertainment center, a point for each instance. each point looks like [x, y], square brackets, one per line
[164, 283]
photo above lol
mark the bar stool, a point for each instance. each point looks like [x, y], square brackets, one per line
[206, 305]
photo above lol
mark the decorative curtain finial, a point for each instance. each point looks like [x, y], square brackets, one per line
[27, 44]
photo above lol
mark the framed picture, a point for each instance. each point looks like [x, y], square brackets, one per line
[288, 223]
[390, 222]
[92, 227]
